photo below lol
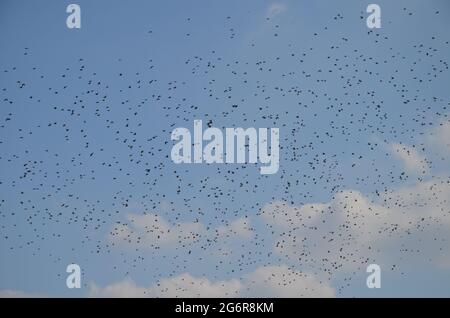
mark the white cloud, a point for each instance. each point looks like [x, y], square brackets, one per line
[238, 228]
[281, 281]
[411, 158]
[123, 289]
[439, 138]
[153, 231]
[270, 281]
[352, 229]
[183, 285]
[286, 216]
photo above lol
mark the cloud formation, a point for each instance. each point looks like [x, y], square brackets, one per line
[239, 227]
[153, 231]
[439, 138]
[269, 281]
[352, 229]
[413, 161]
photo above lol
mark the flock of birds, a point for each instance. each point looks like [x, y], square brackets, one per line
[85, 156]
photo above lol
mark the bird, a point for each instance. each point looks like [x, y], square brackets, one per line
[86, 168]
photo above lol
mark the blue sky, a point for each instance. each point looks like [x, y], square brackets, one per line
[85, 147]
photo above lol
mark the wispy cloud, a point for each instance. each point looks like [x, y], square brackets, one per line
[275, 9]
